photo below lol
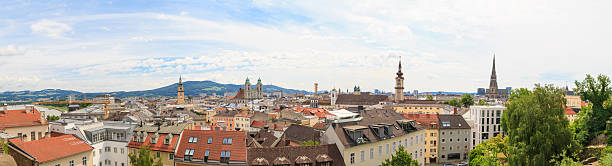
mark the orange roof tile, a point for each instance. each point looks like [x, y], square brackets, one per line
[157, 146]
[53, 148]
[19, 118]
[237, 148]
[569, 111]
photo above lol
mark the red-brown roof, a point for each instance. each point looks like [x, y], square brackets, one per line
[569, 111]
[237, 149]
[258, 124]
[425, 119]
[53, 148]
[19, 118]
[157, 146]
[240, 94]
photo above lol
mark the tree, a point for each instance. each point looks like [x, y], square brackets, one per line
[467, 100]
[309, 143]
[143, 158]
[52, 118]
[535, 124]
[482, 102]
[453, 102]
[429, 97]
[487, 152]
[596, 92]
[400, 158]
[4, 147]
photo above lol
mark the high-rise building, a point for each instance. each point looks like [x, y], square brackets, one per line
[485, 122]
[399, 84]
[180, 97]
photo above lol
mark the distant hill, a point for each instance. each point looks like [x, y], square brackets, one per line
[192, 88]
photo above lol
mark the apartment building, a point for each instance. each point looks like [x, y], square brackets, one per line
[27, 124]
[430, 125]
[162, 139]
[374, 136]
[211, 147]
[65, 150]
[454, 139]
[485, 122]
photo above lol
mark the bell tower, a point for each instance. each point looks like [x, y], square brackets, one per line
[399, 84]
[180, 97]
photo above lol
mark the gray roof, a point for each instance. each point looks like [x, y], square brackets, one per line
[456, 122]
[174, 129]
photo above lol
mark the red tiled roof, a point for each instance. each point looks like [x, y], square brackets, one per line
[53, 148]
[569, 111]
[237, 148]
[240, 94]
[157, 146]
[319, 126]
[19, 118]
[258, 124]
[424, 119]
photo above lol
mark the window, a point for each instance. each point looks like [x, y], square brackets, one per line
[170, 156]
[206, 156]
[158, 154]
[115, 149]
[71, 162]
[58, 165]
[352, 159]
[188, 154]
[445, 124]
[393, 147]
[371, 153]
[193, 139]
[387, 149]
[379, 150]
[362, 155]
[84, 160]
[225, 156]
[33, 135]
[465, 139]
[210, 140]
[94, 153]
[411, 141]
[121, 150]
[442, 140]
[227, 141]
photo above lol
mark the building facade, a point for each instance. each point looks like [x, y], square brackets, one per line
[27, 124]
[454, 139]
[485, 122]
[62, 150]
[209, 147]
[430, 125]
[161, 139]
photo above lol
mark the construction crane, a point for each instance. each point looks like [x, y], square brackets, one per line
[80, 102]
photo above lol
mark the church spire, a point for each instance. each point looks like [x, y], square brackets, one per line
[399, 69]
[180, 80]
[493, 83]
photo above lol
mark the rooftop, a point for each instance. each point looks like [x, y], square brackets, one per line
[53, 148]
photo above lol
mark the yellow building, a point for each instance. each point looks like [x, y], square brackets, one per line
[430, 125]
[242, 121]
[573, 101]
[27, 124]
[375, 136]
[419, 109]
[63, 150]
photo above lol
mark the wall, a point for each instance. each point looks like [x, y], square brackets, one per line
[165, 156]
[44, 129]
[419, 109]
[416, 149]
[111, 155]
[77, 158]
[431, 135]
[460, 143]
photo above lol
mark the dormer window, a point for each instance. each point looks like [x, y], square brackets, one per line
[167, 139]
[193, 139]
[210, 140]
[446, 124]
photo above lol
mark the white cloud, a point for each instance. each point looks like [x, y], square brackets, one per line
[51, 29]
[12, 50]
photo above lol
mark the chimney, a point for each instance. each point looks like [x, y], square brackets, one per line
[29, 109]
[43, 118]
[5, 110]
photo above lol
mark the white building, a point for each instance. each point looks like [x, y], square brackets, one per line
[485, 122]
[108, 138]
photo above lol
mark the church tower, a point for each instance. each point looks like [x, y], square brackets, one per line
[180, 97]
[334, 96]
[259, 89]
[493, 83]
[399, 84]
[247, 89]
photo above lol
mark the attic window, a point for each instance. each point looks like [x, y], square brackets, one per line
[445, 124]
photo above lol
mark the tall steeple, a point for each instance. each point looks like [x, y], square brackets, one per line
[493, 83]
[399, 83]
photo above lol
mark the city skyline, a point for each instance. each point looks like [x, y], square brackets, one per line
[444, 46]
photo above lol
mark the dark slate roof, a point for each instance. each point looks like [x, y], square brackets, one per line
[373, 117]
[298, 133]
[226, 113]
[351, 99]
[456, 122]
[296, 154]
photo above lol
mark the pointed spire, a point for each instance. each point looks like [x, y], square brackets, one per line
[399, 69]
[180, 80]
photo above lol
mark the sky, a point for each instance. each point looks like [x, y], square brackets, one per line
[98, 46]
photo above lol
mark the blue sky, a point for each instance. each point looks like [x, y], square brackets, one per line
[97, 46]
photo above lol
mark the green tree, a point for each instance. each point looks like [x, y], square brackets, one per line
[482, 102]
[453, 102]
[535, 124]
[596, 91]
[429, 97]
[400, 158]
[4, 147]
[52, 118]
[144, 158]
[467, 100]
[309, 143]
[487, 152]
